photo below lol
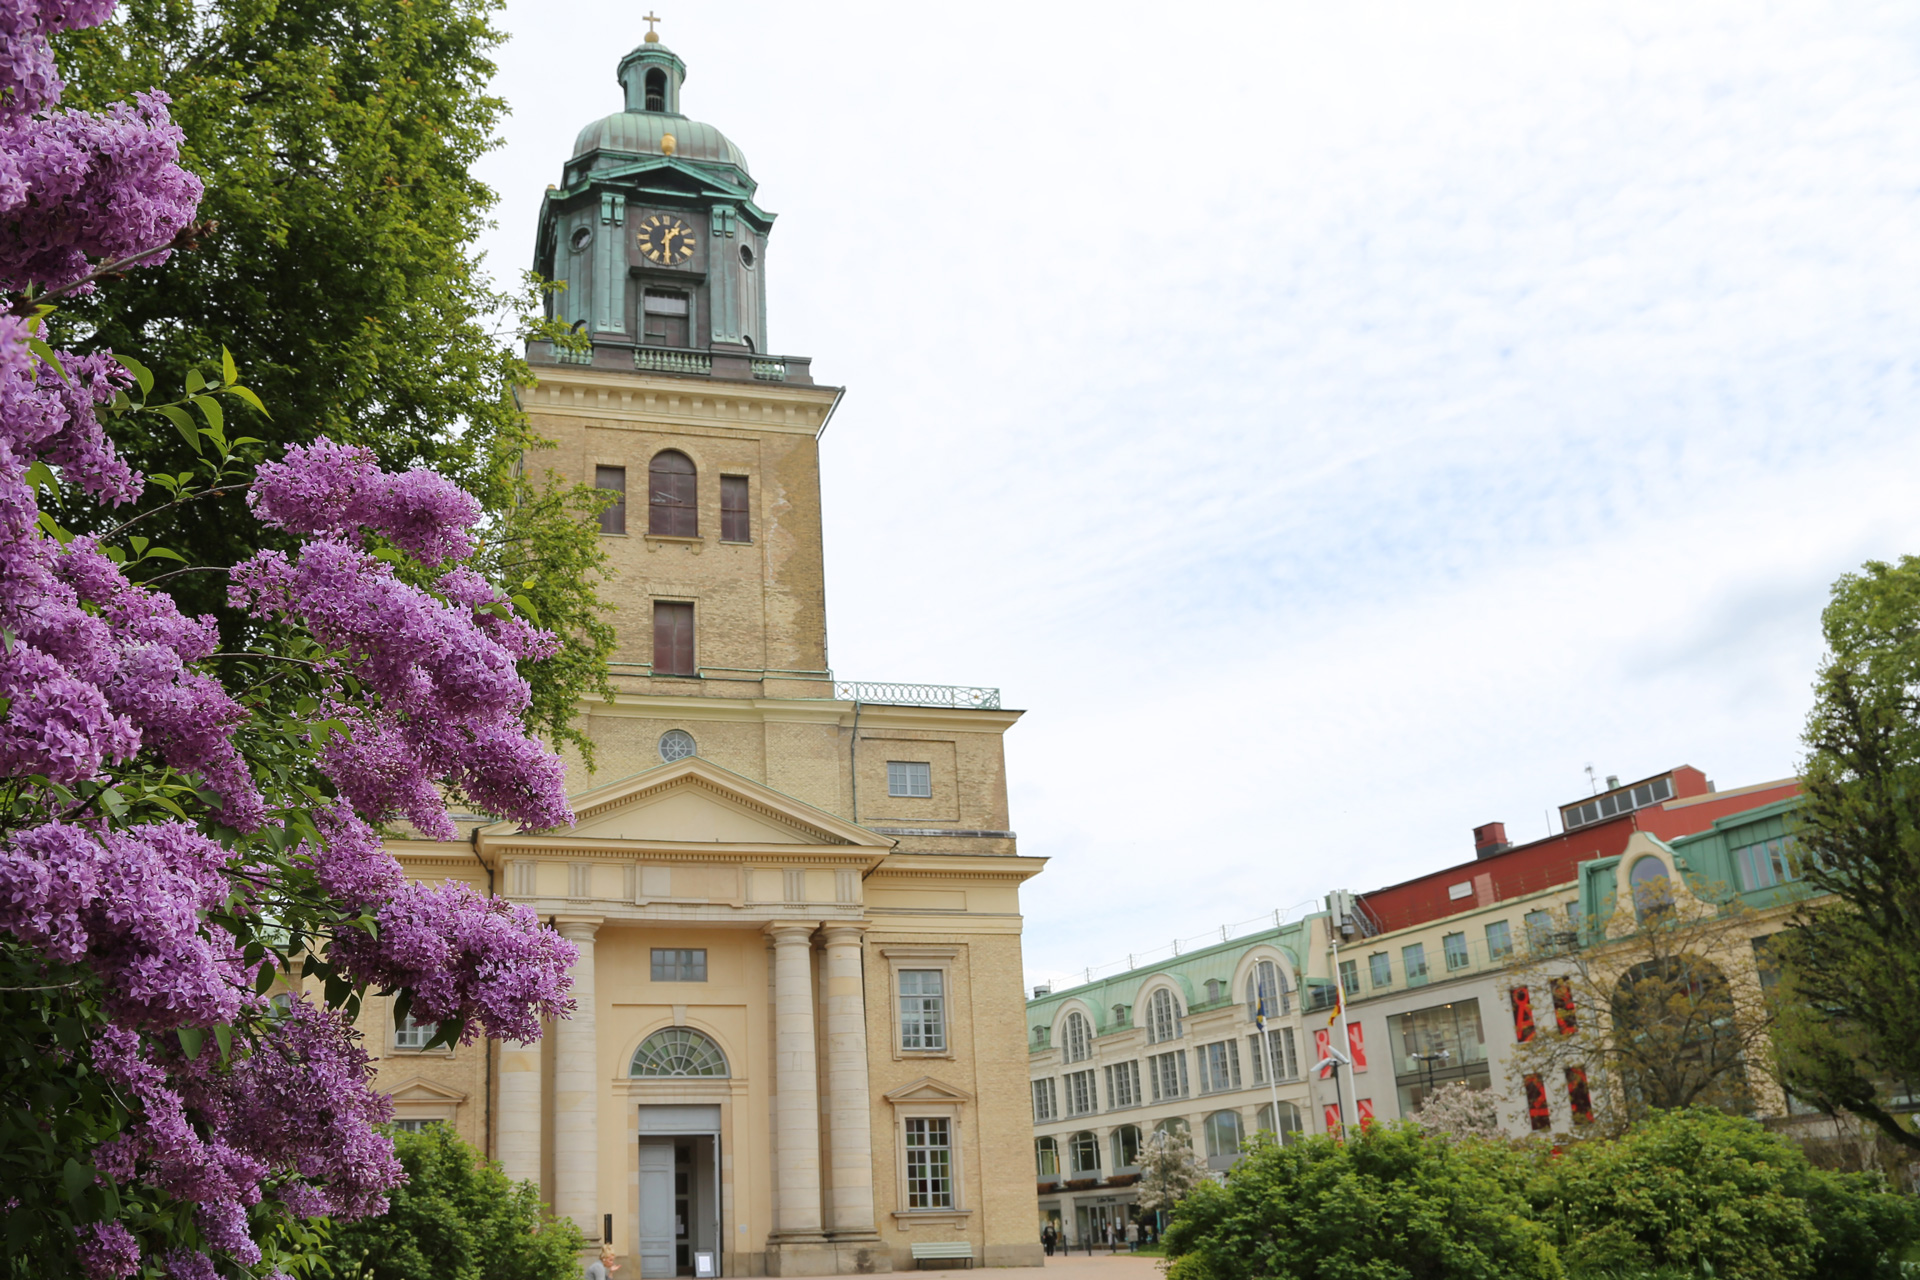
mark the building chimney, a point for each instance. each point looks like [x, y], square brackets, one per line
[1490, 839]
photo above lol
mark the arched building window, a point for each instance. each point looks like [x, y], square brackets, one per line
[678, 1051]
[1163, 1017]
[673, 505]
[656, 90]
[1171, 1125]
[1267, 983]
[1077, 1041]
[1224, 1133]
[1126, 1147]
[1652, 887]
[1285, 1127]
[1046, 1154]
[1085, 1150]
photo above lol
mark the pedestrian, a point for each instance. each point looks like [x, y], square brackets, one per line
[1133, 1236]
[1047, 1237]
[603, 1267]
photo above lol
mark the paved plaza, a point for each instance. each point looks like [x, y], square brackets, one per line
[1101, 1266]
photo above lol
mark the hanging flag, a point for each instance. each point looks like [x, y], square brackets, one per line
[1339, 1005]
[1260, 1012]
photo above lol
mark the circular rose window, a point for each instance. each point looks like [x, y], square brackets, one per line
[676, 744]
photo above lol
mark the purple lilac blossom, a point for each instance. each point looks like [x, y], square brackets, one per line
[107, 1251]
[480, 960]
[328, 488]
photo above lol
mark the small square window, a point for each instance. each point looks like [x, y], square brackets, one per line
[413, 1034]
[912, 778]
[679, 964]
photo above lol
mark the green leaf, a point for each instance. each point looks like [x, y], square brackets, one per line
[228, 373]
[138, 543]
[191, 1038]
[247, 396]
[181, 423]
[166, 554]
[75, 1178]
[215, 415]
[223, 1034]
[41, 476]
[265, 978]
[141, 374]
[195, 381]
[46, 353]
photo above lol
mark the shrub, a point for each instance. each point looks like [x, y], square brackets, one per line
[457, 1218]
[1395, 1201]
[1698, 1189]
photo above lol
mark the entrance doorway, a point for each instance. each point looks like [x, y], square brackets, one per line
[679, 1227]
[1093, 1220]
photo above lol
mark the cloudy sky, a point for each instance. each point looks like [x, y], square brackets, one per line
[1338, 425]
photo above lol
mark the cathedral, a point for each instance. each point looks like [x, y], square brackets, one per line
[800, 1041]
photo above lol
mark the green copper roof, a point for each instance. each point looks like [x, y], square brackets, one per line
[639, 133]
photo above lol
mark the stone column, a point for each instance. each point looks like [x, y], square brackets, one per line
[519, 1125]
[576, 1093]
[797, 1114]
[849, 1104]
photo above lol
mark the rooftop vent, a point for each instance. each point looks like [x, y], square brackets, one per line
[1044, 989]
[1490, 839]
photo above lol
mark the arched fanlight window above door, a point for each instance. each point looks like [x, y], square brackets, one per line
[678, 1051]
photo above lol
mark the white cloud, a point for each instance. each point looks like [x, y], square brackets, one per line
[1339, 424]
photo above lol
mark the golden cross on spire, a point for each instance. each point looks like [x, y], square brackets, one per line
[653, 37]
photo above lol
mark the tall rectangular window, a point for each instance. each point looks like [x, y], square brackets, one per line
[673, 638]
[679, 964]
[666, 320]
[923, 1010]
[1499, 941]
[1220, 1066]
[1044, 1107]
[735, 523]
[1350, 977]
[1123, 1085]
[1380, 969]
[929, 1164]
[1539, 930]
[912, 778]
[1454, 947]
[1082, 1099]
[1414, 957]
[1168, 1072]
[613, 518]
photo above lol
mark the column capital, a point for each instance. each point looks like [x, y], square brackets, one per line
[790, 931]
[844, 931]
[578, 928]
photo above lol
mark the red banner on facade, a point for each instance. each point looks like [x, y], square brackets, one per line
[1332, 1116]
[1578, 1096]
[1323, 1041]
[1563, 1015]
[1364, 1107]
[1522, 1015]
[1538, 1113]
[1356, 1046]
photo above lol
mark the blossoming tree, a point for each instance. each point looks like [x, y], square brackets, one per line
[193, 891]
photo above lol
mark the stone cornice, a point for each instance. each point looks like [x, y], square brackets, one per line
[619, 396]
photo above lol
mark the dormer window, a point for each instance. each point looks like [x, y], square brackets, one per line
[656, 90]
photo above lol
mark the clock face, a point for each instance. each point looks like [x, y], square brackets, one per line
[665, 239]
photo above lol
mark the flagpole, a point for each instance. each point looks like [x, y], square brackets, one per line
[1273, 1068]
[1339, 1012]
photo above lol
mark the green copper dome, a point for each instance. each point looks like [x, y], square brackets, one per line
[642, 133]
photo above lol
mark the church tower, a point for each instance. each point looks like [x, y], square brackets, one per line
[800, 1044]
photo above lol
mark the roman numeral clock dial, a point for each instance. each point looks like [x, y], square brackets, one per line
[666, 240]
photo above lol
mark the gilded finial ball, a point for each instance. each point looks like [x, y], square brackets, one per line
[653, 37]
[667, 144]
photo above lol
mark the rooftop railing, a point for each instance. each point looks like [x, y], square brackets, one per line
[917, 695]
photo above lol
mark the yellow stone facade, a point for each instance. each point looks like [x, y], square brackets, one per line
[776, 853]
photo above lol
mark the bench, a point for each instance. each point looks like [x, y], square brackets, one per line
[941, 1251]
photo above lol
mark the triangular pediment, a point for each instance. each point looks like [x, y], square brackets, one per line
[928, 1089]
[694, 801]
[421, 1089]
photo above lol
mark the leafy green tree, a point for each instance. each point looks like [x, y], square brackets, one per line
[336, 259]
[457, 1218]
[1849, 1037]
[1706, 1193]
[1394, 1201]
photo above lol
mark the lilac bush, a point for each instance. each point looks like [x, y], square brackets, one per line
[194, 894]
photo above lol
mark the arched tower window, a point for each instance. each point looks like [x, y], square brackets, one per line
[1077, 1038]
[1266, 983]
[1163, 1017]
[678, 1051]
[656, 90]
[673, 508]
[1652, 887]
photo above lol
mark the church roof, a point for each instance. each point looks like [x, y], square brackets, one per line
[641, 133]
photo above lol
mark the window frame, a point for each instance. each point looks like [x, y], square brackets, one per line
[1504, 949]
[426, 1030]
[951, 1147]
[1178, 1069]
[1455, 958]
[904, 957]
[680, 506]
[900, 786]
[1044, 1088]
[1378, 963]
[615, 515]
[655, 971]
[740, 529]
[931, 1032]
[1076, 1037]
[1074, 1080]
[1129, 1073]
[1406, 964]
[670, 668]
[1159, 999]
